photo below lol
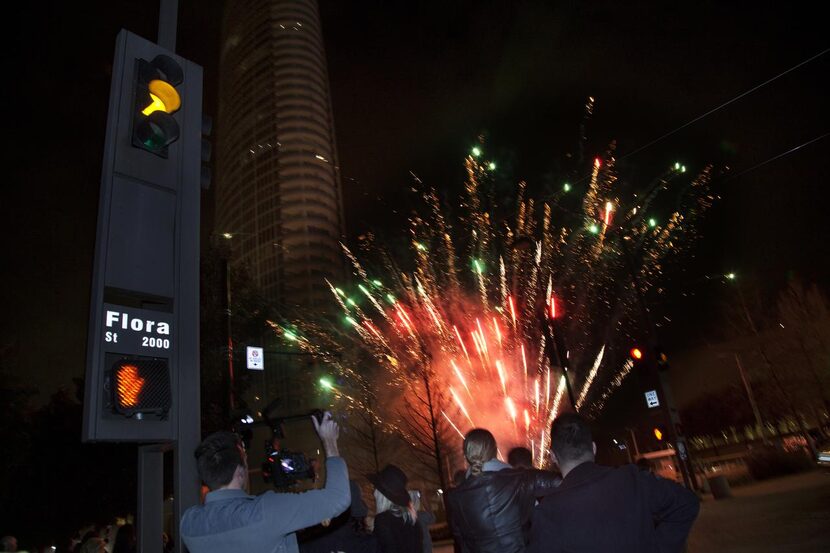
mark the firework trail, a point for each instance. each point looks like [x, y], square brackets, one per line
[470, 316]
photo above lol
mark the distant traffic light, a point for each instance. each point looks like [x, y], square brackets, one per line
[141, 386]
[156, 99]
[659, 433]
[662, 359]
[636, 354]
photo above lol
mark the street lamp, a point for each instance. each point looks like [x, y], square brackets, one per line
[557, 346]
[226, 273]
[555, 339]
[771, 369]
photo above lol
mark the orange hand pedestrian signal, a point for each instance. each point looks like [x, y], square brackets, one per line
[140, 387]
[128, 385]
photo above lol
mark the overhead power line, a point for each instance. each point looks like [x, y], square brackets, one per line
[723, 105]
[778, 156]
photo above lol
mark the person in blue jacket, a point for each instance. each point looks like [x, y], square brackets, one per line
[232, 520]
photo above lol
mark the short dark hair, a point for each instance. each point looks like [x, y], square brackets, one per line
[520, 457]
[570, 438]
[217, 458]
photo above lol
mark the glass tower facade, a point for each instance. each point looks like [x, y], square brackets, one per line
[278, 189]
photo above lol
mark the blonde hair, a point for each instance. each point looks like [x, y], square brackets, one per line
[479, 447]
[415, 498]
[383, 504]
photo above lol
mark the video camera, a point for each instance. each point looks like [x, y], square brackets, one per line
[283, 467]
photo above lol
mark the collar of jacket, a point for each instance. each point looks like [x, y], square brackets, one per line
[493, 465]
[582, 474]
[221, 495]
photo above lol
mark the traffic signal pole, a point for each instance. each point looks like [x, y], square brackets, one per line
[168, 20]
[186, 484]
[669, 405]
[556, 340]
[142, 378]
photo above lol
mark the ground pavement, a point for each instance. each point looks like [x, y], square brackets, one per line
[784, 515]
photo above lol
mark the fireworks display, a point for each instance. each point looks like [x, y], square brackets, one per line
[472, 327]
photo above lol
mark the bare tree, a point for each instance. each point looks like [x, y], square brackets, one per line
[370, 441]
[762, 345]
[805, 319]
[424, 420]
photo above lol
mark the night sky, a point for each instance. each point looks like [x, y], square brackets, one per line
[412, 88]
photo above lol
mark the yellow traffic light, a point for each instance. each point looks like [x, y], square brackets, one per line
[658, 433]
[164, 98]
[156, 100]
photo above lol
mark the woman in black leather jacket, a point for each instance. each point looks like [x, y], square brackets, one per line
[490, 512]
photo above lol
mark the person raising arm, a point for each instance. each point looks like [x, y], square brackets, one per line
[233, 520]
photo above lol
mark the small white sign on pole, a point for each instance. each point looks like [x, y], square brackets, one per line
[651, 399]
[256, 361]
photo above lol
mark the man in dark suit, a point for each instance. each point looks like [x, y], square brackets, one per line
[598, 509]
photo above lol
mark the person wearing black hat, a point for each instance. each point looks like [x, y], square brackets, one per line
[395, 518]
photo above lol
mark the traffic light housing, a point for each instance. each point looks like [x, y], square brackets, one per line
[142, 376]
[156, 100]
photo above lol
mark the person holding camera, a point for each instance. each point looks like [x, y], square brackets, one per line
[232, 520]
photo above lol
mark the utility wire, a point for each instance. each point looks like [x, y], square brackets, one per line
[723, 105]
[782, 154]
[718, 108]
[553, 201]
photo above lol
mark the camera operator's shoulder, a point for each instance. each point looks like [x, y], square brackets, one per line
[271, 501]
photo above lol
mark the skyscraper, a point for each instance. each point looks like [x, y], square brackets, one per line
[277, 188]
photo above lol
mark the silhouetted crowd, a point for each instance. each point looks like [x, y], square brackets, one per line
[92, 539]
[494, 506]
